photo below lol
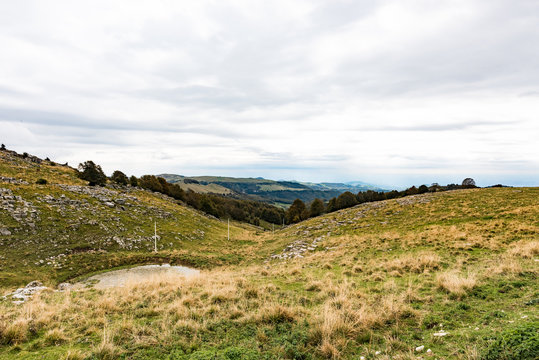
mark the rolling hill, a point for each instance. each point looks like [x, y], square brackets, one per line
[449, 275]
[281, 193]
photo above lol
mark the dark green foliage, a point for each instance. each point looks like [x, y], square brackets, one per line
[3, 147]
[296, 212]
[468, 183]
[119, 177]
[41, 182]
[346, 200]
[208, 206]
[521, 342]
[317, 208]
[92, 173]
[411, 191]
[332, 205]
[133, 181]
[150, 182]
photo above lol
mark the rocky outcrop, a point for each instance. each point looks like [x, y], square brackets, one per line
[298, 249]
[11, 180]
[22, 294]
[21, 210]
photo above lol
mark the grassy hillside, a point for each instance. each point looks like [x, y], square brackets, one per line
[64, 229]
[454, 272]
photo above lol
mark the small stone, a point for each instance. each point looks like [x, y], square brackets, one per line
[420, 348]
[63, 286]
[440, 334]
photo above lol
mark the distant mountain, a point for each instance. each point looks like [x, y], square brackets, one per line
[352, 186]
[281, 193]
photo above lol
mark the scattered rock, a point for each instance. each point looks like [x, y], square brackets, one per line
[420, 348]
[22, 294]
[11, 180]
[5, 232]
[64, 286]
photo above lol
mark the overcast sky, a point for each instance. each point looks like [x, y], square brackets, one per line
[389, 92]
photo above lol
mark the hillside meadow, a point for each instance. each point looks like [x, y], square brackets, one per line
[441, 275]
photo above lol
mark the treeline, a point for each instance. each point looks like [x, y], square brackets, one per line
[298, 211]
[220, 206]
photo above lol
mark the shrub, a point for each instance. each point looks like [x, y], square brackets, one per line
[119, 178]
[41, 182]
[92, 173]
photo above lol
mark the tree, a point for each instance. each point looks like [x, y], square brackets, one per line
[411, 191]
[119, 177]
[208, 206]
[92, 173]
[332, 205]
[150, 182]
[3, 147]
[346, 200]
[423, 189]
[468, 182]
[133, 181]
[296, 212]
[317, 208]
[175, 191]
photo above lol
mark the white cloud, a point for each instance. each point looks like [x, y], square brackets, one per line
[388, 91]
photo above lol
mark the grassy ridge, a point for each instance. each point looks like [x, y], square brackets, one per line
[455, 272]
[77, 233]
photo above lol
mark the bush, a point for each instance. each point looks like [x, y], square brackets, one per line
[92, 173]
[119, 178]
[41, 182]
[521, 343]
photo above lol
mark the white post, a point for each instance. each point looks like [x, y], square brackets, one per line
[155, 237]
[228, 233]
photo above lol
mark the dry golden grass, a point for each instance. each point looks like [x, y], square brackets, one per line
[506, 266]
[454, 283]
[74, 355]
[416, 263]
[345, 314]
[354, 290]
[525, 249]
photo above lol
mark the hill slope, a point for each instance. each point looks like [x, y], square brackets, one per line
[64, 228]
[453, 272]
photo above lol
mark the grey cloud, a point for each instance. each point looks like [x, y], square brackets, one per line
[76, 122]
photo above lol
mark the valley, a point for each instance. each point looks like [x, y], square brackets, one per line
[444, 275]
